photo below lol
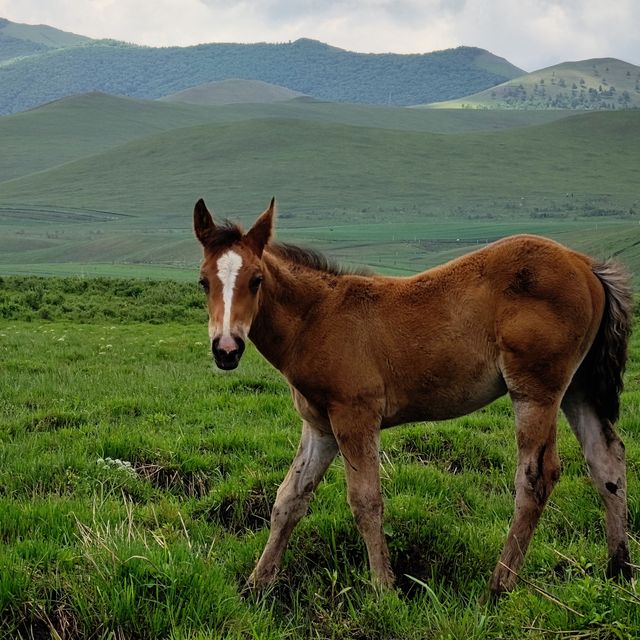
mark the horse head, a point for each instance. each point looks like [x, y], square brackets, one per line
[231, 276]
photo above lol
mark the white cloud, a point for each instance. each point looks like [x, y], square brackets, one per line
[538, 33]
[529, 33]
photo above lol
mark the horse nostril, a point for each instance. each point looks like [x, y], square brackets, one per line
[227, 347]
[227, 344]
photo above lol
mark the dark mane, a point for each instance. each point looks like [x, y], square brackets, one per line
[222, 235]
[227, 233]
[313, 260]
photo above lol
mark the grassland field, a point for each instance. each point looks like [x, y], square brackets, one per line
[136, 484]
[385, 247]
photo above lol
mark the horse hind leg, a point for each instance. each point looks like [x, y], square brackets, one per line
[604, 453]
[537, 473]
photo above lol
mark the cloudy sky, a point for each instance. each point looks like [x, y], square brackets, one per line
[529, 33]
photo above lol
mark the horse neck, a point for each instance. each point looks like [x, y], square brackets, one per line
[289, 292]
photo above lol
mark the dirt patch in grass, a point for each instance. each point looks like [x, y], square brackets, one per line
[450, 456]
[435, 557]
[39, 624]
[192, 484]
[240, 513]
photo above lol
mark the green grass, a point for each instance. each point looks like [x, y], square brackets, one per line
[387, 248]
[411, 247]
[136, 483]
[89, 300]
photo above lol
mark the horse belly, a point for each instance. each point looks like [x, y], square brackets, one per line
[429, 399]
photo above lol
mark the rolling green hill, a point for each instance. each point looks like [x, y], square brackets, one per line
[75, 127]
[399, 200]
[305, 66]
[17, 40]
[334, 168]
[233, 91]
[602, 83]
[78, 126]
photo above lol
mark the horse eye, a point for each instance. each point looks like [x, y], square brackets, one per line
[204, 283]
[255, 282]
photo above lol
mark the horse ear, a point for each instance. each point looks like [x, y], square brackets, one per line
[203, 223]
[260, 233]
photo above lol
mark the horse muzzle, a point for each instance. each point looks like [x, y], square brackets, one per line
[227, 351]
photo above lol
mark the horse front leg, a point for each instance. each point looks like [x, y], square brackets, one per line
[358, 437]
[315, 453]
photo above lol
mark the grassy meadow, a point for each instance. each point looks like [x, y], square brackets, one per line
[136, 483]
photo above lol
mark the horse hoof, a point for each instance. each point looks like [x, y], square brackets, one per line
[619, 567]
[257, 583]
[491, 596]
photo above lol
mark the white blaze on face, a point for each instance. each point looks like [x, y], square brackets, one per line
[228, 266]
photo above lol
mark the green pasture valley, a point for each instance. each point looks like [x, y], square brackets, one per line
[136, 483]
[95, 184]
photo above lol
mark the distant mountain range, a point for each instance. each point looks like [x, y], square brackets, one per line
[17, 40]
[39, 64]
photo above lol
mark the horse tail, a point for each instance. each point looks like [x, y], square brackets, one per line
[604, 365]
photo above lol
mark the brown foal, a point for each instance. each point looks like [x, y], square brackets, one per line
[524, 316]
